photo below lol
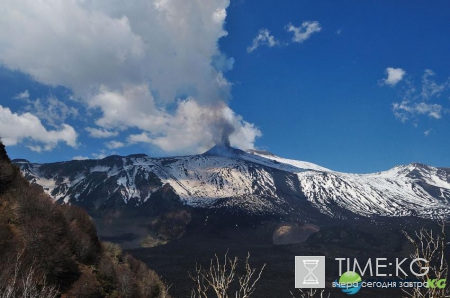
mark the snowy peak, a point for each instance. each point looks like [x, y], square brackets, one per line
[224, 150]
[252, 181]
[284, 163]
[419, 172]
[263, 158]
[261, 153]
[404, 170]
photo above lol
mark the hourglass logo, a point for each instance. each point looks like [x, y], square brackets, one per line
[309, 272]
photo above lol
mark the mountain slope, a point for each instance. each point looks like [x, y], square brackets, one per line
[52, 250]
[255, 182]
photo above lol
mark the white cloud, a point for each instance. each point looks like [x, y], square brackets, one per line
[169, 44]
[39, 149]
[23, 95]
[80, 157]
[114, 145]
[100, 133]
[222, 63]
[100, 155]
[429, 87]
[420, 100]
[16, 128]
[427, 132]
[134, 106]
[432, 110]
[139, 138]
[50, 109]
[245, 133]
[192, 128]
[406, 110]
[394, 75]
[263, 38]
[301, 34]
[129, 62]
[305, 31]
[69, 41]
[219, 15]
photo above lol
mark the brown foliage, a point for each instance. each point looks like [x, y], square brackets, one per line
[129, 276]
[83, 234]
[25, 281]
[59, 249]
[45, 234]
[87, 286]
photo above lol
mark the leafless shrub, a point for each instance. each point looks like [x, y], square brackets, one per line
[220, 276]
[431, 247]
[148, 283]
[113, 250]
[125, 281]
[309, 293]
[30, 285]
[130, 277]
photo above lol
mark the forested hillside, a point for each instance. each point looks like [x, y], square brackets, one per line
[52, 250]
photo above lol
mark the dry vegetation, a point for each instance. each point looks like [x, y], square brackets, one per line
[222, 280]
[432, 247]
[49, 250]
[310, 293]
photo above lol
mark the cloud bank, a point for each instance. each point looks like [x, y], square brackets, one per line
[151, 66]
[17, 127]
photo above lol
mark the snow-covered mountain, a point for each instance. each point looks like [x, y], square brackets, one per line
[255, 182]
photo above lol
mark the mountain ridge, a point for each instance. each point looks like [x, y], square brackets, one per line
[250, 180]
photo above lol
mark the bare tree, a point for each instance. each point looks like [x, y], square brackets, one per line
[221, 275]
[310, 293]
[30, 285]
[431, 247]
[125, 281]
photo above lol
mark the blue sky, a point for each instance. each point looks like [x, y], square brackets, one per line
[355, 86]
